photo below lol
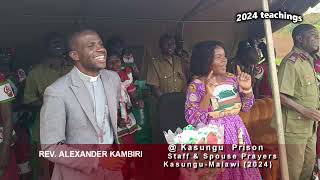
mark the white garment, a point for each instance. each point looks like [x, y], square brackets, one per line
[97, 92]
[128, 60]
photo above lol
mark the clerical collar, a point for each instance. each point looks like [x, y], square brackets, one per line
[87, 78]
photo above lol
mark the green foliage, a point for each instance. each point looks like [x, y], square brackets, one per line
[278, 61]
[313, 19]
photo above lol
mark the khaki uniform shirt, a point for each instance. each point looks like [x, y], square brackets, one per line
[168, 77]
[297, 79]
[39, 78]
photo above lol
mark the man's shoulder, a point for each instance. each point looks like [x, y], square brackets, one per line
[156, 59]
[294, 56]
[111, 74]
[39, 67]
[38, 70]
[60, 85]
[159, 59]
[177, 58]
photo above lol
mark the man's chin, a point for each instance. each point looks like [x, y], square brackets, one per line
[101, 67]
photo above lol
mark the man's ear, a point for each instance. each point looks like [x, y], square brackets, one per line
[74, 55]
[299, 38]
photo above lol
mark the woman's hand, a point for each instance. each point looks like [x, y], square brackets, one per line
[244, 80]
[210, 84]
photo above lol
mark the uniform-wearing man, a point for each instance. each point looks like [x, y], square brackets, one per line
[54, 65]
[81, 108]
[299, 95]
[42, 75]
[165, 73]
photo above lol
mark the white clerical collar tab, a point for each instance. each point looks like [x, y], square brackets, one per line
[88, 78]
[93, 79]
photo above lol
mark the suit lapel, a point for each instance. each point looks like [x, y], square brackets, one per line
[111, 99]
[83, 96]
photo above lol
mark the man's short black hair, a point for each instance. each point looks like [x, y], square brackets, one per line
[298, 30]
[244, 49]
[114, 54]
[164, 38]
[74, 36]
[201, 58]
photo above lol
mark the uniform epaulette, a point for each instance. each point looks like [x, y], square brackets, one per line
[293, 57]
[303, 56]
[154, 58]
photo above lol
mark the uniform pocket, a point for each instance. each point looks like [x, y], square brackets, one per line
[309, 87]
[164, 76]
[296, 123]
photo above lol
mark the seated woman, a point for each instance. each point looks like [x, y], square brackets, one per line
[216, 97]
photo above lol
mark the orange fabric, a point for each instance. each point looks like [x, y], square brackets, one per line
[258, 121]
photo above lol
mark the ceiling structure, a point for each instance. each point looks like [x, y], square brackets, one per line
[24, 23]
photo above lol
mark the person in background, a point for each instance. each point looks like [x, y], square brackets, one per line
[20, 116]
[127, 124]
[8, 164]
[117, 46]
[264, 87]
[128, 61]
[299, 95]
[142, 94]
[54, 65]
[217, 97]
[247, 59]
[165, 73]
[130, 104]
